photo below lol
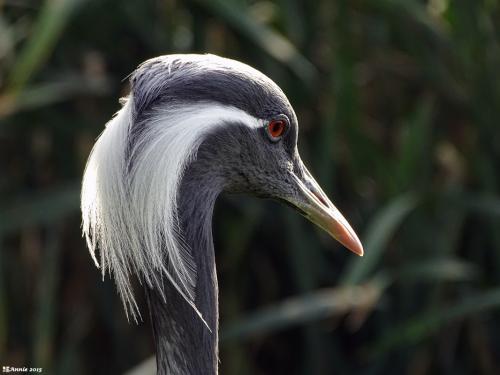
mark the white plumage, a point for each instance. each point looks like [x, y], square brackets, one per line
[130, 211]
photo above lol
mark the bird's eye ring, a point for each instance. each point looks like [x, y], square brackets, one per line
[276, 128]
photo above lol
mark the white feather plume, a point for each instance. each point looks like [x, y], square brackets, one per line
[129, 212]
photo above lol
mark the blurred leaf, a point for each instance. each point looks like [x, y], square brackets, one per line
[53, 17]
[304, 309]
[146, 367]
[239, 229]
[6, 40]
[482, 203]
[413, 10]
[427, 39]
[46, 325]
[41, 208]
[422, 326]
[411, 166]
[379, 233]
[358, 300]
[274, 44]
[294, 19]
[305, 261]
[448, 269]
[33, 97]
[293, 311]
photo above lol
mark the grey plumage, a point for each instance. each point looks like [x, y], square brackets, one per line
[173, 79]
[194, 126]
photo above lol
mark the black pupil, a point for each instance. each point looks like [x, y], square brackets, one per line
[276, 128]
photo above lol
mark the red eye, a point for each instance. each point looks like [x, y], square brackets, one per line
[276, 128]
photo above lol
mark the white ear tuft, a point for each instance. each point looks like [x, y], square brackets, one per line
[129, 195]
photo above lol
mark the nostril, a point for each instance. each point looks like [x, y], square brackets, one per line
[312, 187]
[317, 195]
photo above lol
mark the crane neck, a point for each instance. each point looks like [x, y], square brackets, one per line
[184, 344]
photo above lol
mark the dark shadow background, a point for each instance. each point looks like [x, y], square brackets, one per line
[398, 103]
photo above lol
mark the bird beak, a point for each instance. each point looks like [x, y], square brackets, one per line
[315, 206]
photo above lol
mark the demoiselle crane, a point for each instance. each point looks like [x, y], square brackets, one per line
[192, 127]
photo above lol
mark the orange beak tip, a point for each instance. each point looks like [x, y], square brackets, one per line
[358, 247]
[359, 251]
[343, 233]
[354, 246]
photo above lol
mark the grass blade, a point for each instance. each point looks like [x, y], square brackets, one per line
[41, 95]
[304, 309]
[446, 269]
[53, 17]
[379, 233]
[427, 324]
[41, 208]
[274, 44]
[487, 204]
[45, 326]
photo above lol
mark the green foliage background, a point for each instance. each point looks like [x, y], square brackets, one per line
[398, 103]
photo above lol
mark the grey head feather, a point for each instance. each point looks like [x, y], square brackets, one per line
[191, 78]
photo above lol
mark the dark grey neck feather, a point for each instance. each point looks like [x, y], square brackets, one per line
[184, 345]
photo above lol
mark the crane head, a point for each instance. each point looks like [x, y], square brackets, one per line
[179, 107]
[256, 131]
